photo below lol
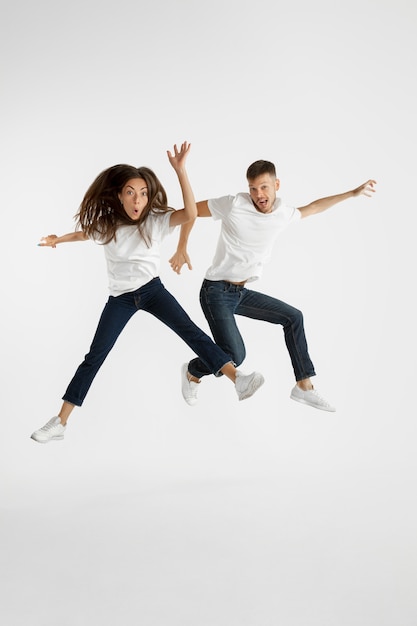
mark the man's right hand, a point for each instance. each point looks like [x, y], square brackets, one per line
[178, 259]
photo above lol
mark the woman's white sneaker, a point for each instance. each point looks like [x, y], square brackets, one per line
[52, 431]
[312, 398]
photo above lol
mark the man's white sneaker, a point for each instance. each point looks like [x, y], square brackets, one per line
[310, 397]
[52, 431]
[188, 387]
[246, 385]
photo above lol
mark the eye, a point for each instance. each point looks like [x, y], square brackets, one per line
[145, 194]
[129, 192]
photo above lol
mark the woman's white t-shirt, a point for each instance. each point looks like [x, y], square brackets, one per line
[247, 236]
[130, 262]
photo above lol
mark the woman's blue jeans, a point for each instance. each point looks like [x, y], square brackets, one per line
[155, 299]
[221, 301]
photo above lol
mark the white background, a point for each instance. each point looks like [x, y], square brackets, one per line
[257, 513]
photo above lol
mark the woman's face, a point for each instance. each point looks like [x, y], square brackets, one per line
[134, 197]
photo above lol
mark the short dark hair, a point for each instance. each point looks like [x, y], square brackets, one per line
[260, 167]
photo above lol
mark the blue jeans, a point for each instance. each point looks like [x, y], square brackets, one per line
[221, 301]
[155, 299]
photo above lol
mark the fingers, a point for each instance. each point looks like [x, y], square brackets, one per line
[177, 263]
[49, 240]
[184, 149]
[368, 188]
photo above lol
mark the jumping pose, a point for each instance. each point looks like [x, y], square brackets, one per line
[125, 209]
[250, 224]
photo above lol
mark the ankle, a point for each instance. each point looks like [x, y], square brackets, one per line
[305, 385]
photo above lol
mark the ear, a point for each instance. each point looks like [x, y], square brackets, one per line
[277, 184]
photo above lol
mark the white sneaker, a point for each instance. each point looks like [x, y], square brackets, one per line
[247, 385]
[188, 387]
[52, 431]
[310, 397]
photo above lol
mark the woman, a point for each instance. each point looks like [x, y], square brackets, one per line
[125, 209]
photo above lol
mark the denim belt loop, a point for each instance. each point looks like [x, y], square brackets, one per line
[233, 285]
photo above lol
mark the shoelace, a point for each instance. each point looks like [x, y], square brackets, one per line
[319, 397]
[50, 424]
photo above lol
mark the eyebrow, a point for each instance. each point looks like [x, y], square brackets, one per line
[145, 187]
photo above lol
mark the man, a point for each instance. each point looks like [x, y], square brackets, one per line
[250, 224]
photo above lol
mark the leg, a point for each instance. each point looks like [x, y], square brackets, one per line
[262, 307]
[160, 303]
[114, 318]
[65, 412]
[219, 301]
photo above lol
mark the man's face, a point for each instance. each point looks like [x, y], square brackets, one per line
[263, 191]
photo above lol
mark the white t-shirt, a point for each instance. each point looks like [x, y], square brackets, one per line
[247, 236]
[130, 262]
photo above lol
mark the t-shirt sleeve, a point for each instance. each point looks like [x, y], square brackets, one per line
[295, 214]
[220, 206]
[288, 213]
[164, 224]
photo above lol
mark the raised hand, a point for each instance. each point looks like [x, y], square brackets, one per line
[179, 157]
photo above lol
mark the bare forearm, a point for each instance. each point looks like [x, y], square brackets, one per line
[322, 204]
[53, 240]
[184, 234]
[190, 207]
[181, 255]
[71, 237]
[177, 161]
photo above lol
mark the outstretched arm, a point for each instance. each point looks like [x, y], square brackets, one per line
[318, 206]
[177, 160]
[53, 240]
[180, 257]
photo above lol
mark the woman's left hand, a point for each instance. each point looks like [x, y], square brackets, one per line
[179, 157]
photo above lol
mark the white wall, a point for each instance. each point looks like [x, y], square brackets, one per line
[326, 90]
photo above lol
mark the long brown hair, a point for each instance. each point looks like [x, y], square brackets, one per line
[101, 212]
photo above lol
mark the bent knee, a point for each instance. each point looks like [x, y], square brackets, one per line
[296, 318]
[238, 357]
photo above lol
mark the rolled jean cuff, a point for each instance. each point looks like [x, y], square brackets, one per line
[219, 373]
[78, 403]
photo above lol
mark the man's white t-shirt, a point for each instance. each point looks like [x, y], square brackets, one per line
[130, 262]
[247, 236]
